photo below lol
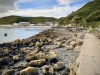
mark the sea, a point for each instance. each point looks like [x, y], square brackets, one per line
[15, 33]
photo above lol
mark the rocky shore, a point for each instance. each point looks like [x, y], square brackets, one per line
[51, 52]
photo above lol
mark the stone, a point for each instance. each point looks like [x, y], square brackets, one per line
[37, 44]
[49, 40]
[59, 66]
[53, 57]
[68, 41]
[40, 55]
[80, 42]
[36, 50]
[17, 42]
[5, 61]
[31, 44]
[51, 70]
[6, 52]
[71, 69]
[59, 45]
[25, 65]
[45, 69]
[46, 49]
[1, 72]
[58, 39]
[29, 57]
[22, 49]
[27, 51]
[16, 58]
[28, 71]
[73, 43]
[9, 72]
[77, 48]
[40, 62]
[70, 47]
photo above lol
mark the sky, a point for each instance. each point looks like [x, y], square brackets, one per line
[37, 8]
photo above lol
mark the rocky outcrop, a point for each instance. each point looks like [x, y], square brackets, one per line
[9, 72]
[17, 42]
[45, 53]
[41, 55]
[16, 58]
[40, 62]
[53, 57]
[59, 66]
[28, 71]
[29, 57]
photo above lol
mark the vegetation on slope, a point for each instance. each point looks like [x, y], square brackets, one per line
[88, 15]
[16, 19]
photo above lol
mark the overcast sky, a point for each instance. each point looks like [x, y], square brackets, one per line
[35, 8]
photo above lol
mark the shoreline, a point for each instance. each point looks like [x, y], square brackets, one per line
[54, 48]
[10, 26]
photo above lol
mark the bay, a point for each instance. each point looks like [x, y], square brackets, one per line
[14, 33]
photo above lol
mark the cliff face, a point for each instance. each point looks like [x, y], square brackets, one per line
[88, 15]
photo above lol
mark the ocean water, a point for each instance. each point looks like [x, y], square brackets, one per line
[14, 33]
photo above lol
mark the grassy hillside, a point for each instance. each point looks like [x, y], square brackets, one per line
[12, 19]
[88, 15]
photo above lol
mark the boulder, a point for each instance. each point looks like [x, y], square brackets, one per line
[16, 58]
[43, 39]
[6, 52]
[28, 71]
[70, 47]
[59, 45]
[38, 62]
[25, 42]
[51, 71]
[40, 55]
[5, 61]
[9, 72]
[73, 43]
[68, 41]
[49, 40]
[1, 52]
[22, 49]
[45, 69]
[59, 66]
[80, 42]
[55, 43]
[27, 51]
[25, 65]
[1, 72]
[77, 48]
[29, 57]
[36, 50]
[17, 42]
[53, 57]
[59, 39]
[47, 49]
[31, 44]
[38, 44]
[72, 72]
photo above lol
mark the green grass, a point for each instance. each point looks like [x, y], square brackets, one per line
[88, 15]
[12, 19]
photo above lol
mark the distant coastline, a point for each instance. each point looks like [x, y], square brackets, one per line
[11, 26]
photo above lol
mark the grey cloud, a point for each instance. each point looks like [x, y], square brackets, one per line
[6, 5]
